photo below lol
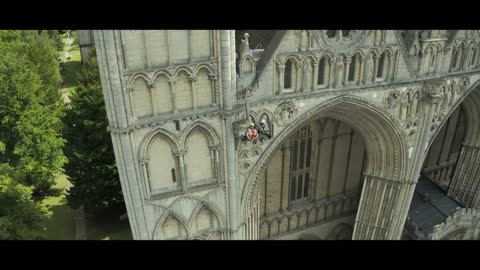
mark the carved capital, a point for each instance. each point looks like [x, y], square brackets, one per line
[214, 147]
[192, 78]
[213, 76]
[151, 84]
[179, 153]
[144, 160]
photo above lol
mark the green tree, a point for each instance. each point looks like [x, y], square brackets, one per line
[21, 218]
[56, 38]
[91, 167]
[43, 54]
[30, 124]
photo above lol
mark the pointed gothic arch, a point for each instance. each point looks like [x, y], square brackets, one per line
[171, 226]
[383, 138]
[453, 146]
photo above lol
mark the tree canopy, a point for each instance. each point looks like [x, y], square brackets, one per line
[21, 217]
[30, 113]
[91, 167]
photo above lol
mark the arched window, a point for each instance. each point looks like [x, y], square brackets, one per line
[381, 65]
[322, 69]
[161, 170]
[199, 159]
[351, 70]
[300, 164]
[287, 82]
[354, 70]
[345, 32]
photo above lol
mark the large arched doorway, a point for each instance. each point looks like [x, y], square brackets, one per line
[313, 181]
[385, 189]
[453, 157]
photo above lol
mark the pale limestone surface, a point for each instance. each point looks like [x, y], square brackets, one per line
[358, 110]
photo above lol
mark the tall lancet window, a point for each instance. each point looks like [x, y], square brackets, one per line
[381, 64]
[300, 164]
[287, 83]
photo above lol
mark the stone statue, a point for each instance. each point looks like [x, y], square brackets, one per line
[244, 47]
[340, 73]
[405, 106]
[304, 41]
[307, 75]
[392, 100]
[452, 96]
[414, 105]
[285, 114]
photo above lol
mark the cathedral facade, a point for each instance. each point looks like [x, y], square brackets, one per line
[295, 134]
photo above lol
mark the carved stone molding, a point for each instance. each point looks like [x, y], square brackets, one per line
[285, 113]
[392, 99]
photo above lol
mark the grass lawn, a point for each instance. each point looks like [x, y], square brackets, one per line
[70, 68]
[61, 225]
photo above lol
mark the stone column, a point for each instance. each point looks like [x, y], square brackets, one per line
[315, 74]
[281, 74]
[231, 178]
[465, 182]
[191, 52]
[286, 155]
[181, 164]
[347, 62]
[415, 163]
[331, 75]
[131, 101]
[298, 82]
[215, 161]
[360, 79]
[377, 216]
[147, 50]
[173, 95]
[192, 80]
[375, 67]
[171, 47]
[151, 88]
[144, 165]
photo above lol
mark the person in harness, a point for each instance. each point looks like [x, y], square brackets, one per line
[251, 133]
[264, 130]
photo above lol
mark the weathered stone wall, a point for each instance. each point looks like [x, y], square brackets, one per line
[173, 98]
